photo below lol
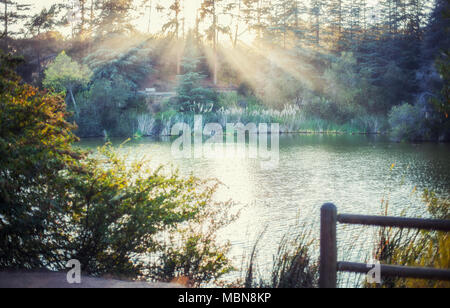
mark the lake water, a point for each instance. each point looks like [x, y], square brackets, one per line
[354, 172]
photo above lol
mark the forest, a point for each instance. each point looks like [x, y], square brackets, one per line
[134, 68]
[77, 72]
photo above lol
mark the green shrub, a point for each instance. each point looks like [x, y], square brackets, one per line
[407, 123]
[58, 204]
[245, 89]
[191, 95]
[228, 100]
[123, 217]
[35, 153]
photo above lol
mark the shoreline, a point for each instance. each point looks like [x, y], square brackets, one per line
[281, 133]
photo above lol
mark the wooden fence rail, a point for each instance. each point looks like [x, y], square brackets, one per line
[329, 266]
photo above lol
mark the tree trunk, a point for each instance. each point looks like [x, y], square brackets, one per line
[38, 48]
[197, 25]
[149, 17]
[215, 41]
[177, 30]
[6, 26]
[259, 20]
[284, 25]
[83, 17]
[91, 17]
[75, 106]
[318, 29]
[340, 19]
[183, 24]
[236, 34]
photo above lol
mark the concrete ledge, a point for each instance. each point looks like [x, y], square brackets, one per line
[58, 280]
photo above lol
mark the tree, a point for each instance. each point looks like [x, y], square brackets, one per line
[442, 102]
[281, 23]
[64, 74]
[316, 18]
[13, 13]
[92, 10]
[191, 96]
[56, 204]
[148, 4]
[111, 101]
[134, 64]
[354, 21]
[42, 22]
[391, 14]
[407, 124]
[211, 9]
[83, 17]
[35, 149]
[114, 17]
[173, 28]
[256, 15]
[335, 10]
[234, 11]
[347, 87]
[416, 17]
[173, 24]
[80, 16]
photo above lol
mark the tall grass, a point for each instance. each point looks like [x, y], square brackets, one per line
[293, 266]
[146, 124]
[292, 119]
[416, 248]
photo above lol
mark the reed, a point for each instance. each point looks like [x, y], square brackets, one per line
[292, 119]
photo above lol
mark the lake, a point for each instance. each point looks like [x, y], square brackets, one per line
[354, 172]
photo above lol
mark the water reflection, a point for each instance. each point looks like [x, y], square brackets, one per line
[354, 172]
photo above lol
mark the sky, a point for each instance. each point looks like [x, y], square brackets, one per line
[157, 19]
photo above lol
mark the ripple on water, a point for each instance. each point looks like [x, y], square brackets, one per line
[354, 172]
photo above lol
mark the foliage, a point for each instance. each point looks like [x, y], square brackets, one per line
[228, 100]
[443, 103]
[329, 57]
[189, 252]
[417, 248]
[122, 213]
[293, 266]
[111, 102]
[132, 64]
[114, 17]
[407, 123]
[191, 95]
[57, 204]
[345, 87]
[65, 74]
[428, 120]
[437, 207]
[34, 152]
[44, 20]
[13, 12]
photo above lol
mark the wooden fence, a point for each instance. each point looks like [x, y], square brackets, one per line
[329, 266]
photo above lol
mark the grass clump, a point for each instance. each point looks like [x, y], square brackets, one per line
[293, 266]
[417, 248]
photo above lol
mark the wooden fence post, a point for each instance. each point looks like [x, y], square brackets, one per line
[328, 246]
